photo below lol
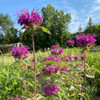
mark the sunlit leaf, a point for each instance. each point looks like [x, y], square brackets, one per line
[86, 96]
[27, 93]
[45, 30]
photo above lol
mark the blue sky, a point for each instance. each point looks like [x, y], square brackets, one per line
[80, 10]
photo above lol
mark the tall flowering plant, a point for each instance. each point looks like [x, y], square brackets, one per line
[85, 41]
[33, 21]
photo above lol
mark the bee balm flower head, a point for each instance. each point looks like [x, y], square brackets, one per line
[51, 90]
[20, 52]
[85, 40]
[70, 42]
[29, 20]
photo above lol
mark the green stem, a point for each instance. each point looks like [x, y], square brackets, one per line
[84, 70]
[83, 87]
[34, 61]
[24, 79]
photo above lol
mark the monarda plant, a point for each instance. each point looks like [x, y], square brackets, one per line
[31, 21]
[85, 41]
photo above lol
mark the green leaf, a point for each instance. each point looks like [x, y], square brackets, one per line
[40, 97]
[30, 82]
[77, 88]
[45, 30]
[27, 93]
[95, 69]
[48, 62]
[86, 97]
[67, 78]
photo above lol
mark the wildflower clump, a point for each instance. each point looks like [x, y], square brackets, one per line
[20, 52]
[51, 90]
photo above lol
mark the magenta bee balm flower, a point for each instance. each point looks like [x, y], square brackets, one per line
[70, 42]
[51, 69]
[76, 57]
[83, 57]
[85, 40]
[20, 52]
[29, 20]
[57, 51]
[54, 47]
[15, 98]
[64, 68]
[51, 90]
[49, 59]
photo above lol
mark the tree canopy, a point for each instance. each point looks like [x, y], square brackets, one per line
[8, 34]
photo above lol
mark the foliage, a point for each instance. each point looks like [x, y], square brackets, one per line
[11, 78]
[8, 34]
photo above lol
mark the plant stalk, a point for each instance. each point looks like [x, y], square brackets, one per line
[34, 61]
[24, 79]
[84, 70]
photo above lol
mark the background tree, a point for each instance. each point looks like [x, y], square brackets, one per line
[8, 34]
[5, 23]
[89, 27]
[90, 22]
[80, 28]
[57, 23]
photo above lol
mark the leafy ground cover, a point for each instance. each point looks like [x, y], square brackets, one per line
[69, 82]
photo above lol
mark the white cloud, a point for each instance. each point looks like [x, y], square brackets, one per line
[95, 8]
[89, 10]
[69, 9]
[73, 26]
[97, 1]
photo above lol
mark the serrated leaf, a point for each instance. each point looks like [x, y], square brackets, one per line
[45, 30]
